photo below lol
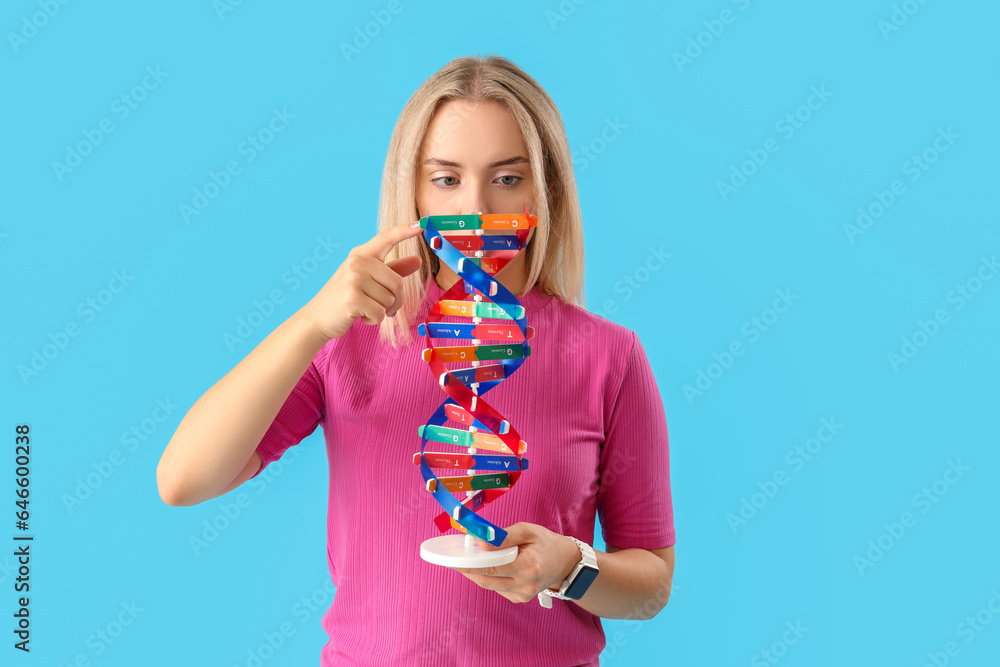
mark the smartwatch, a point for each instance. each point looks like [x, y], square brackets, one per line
[579, 579]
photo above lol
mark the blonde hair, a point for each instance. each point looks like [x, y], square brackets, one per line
[554, 256]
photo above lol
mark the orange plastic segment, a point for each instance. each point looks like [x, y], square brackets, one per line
[459, 483]
[495, 444]
[455, 353]
[458, 308]
[508, 221]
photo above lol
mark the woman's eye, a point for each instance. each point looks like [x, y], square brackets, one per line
[449, 181]
[511, 184]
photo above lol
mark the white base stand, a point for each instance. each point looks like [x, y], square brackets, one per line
[458, 551]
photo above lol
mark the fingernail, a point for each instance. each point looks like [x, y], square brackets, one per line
[415, 225]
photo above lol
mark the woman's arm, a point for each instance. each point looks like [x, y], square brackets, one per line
[632, 583]
[212, 449]
[215, 441]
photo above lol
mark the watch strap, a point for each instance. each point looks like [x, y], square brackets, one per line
[588, 558]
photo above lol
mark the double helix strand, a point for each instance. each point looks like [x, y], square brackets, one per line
[465, 254]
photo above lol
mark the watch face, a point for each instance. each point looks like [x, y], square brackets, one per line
[582, 582]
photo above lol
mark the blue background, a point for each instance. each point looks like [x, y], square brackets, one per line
[682, 128]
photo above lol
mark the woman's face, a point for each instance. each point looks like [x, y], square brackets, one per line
[473, 160]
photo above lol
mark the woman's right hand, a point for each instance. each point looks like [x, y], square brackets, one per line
[364, 285]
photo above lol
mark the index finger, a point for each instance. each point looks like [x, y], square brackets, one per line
[379, 245]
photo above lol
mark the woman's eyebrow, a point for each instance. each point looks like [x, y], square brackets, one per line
[517, 159]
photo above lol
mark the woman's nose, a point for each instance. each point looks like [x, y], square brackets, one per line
[476, 203]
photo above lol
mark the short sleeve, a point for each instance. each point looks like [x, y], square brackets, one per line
[633, 497]
[300, 414]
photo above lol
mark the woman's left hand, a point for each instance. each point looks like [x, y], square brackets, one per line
[544, 560]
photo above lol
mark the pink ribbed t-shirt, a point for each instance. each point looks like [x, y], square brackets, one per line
[587, 405]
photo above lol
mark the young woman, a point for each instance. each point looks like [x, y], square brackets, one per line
[479, 136]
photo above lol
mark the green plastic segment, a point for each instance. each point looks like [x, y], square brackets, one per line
[493, 352]
[490, 309]
[452, 222]
[500, 480]
[455, 436]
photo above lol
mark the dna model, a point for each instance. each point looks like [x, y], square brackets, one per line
[461, 242]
